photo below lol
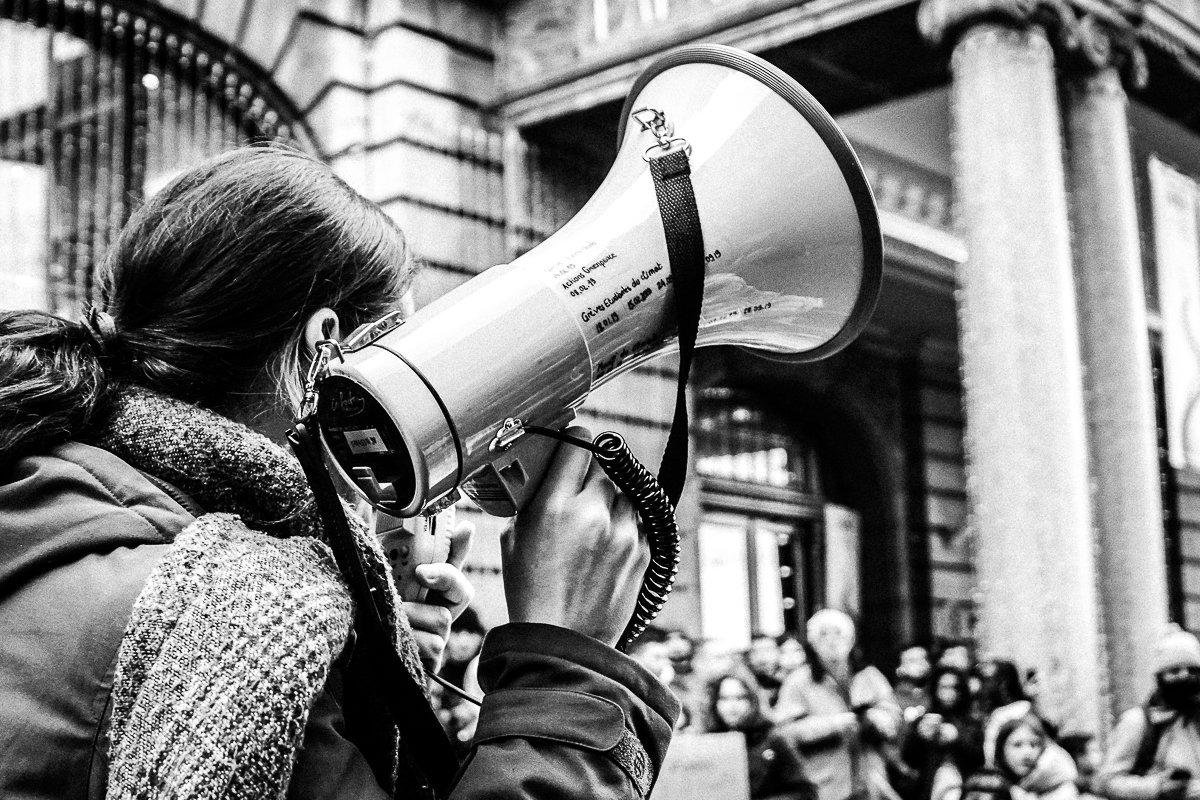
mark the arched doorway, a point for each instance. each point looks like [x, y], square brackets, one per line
[100, 105]
[766, 561]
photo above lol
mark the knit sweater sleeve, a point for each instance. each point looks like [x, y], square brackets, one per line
[564, 715]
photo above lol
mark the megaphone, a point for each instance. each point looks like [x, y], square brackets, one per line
[415, 409]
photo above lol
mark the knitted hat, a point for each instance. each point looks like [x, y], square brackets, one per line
[830, 618]
[1177, 648]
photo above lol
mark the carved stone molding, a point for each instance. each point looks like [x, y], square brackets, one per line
[1087, 37]
[942, 21]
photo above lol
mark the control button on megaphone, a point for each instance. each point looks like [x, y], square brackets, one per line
[793, 258]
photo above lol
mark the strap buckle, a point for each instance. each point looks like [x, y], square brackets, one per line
[326, 350]
[655, 122]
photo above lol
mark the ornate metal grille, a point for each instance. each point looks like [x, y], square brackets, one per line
[101, 105]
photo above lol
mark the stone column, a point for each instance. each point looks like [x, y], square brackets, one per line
[1127, 499]
[1027, 458]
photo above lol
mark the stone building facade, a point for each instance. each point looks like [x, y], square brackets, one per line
[1005, 458]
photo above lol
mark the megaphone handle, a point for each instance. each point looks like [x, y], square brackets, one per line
[657, 516]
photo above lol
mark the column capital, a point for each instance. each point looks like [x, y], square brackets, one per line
[1091, 36]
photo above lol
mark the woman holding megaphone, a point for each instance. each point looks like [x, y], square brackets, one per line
[172, 622]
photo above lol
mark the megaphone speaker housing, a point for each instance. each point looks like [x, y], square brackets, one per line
[793, 264]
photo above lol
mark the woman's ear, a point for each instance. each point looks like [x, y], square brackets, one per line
[323, 324]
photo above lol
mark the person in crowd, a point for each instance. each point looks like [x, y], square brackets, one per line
[1023, 762]
[948, 737]
[172, 622]
[681, 649]
[687, 684]
[1000, 685]
[650, 650]
[1085, 752]
[1037, 692]
[763, 660]
[840, 714]
[791, 655]
[957, 657]
[1154, 752]
[776, 767]
[912, 682]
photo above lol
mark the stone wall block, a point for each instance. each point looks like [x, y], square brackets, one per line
[446, 238]
[398, 54]
[432, 282]
[268, 28]
[400, 169]
[339, 119]
[350, 13]
[317, 56]
[471, 23]
[402, 111]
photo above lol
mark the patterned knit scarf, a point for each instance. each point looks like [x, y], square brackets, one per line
[234, 633]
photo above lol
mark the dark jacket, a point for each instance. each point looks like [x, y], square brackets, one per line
[776, 767]
[80, 532]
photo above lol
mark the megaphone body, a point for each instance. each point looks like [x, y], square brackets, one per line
[793, 262]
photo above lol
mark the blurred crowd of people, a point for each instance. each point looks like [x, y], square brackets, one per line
[821, 725]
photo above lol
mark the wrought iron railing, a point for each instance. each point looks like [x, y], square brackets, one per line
[100, 105]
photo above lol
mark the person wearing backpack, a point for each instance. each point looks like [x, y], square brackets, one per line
[1154, 752]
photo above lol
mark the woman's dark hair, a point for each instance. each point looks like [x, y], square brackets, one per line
[1001, 685]
[963, 705]
[209, 285]
[1007, 730]
[756, 720]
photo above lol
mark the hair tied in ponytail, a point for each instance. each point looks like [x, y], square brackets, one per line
[105, 340]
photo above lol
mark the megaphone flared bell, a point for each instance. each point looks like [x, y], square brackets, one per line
[793, 259]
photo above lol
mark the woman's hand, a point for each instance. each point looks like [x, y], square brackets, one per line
[449, 593]
[575, 557]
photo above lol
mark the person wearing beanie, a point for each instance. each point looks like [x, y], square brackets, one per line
[1154, 752]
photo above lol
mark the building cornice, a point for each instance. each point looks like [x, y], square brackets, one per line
[610, 78]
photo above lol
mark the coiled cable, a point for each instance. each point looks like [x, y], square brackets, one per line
[657, 516]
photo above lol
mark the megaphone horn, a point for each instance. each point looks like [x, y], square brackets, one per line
[793, 262]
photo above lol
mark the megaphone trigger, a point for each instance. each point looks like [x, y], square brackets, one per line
[410, 542]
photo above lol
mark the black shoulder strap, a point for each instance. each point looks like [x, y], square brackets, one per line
[685, 251]
[420, 731]
[1148, 747]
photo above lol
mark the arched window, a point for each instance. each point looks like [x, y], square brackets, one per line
[101, 105]
[762, 535]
